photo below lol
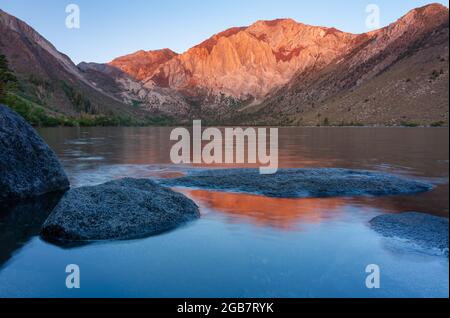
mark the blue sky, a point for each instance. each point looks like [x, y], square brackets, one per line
[111, 28]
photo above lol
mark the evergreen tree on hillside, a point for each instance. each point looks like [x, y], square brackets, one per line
[7, 78]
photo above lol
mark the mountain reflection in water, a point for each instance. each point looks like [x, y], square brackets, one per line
[243, 245]
[279, 213]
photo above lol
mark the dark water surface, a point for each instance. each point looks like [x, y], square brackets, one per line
[244, 245]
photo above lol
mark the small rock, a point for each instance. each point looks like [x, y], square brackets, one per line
[117, 210]
[422, 229]
[28, 167]
[300, 183]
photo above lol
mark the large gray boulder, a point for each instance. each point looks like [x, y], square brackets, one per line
[28, 167]
[117, 210]
[419, 228]
[301, 183]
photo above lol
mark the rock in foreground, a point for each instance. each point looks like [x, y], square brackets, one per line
[423, 229]
[121, 209]
[28, 167]
[301, 183]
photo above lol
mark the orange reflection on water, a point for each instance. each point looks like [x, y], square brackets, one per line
[279, 213]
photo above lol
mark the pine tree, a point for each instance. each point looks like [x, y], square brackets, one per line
[7, 78]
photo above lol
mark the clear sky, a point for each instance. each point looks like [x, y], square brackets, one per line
[111, 28]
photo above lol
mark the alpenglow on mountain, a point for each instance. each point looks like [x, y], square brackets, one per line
[271, 72]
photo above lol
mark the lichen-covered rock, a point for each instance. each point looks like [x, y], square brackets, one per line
[117, 210]
[422, 229]
[300, 183]
[28, 167]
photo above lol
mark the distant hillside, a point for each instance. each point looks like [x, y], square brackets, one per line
[49, 80]
[277, 72]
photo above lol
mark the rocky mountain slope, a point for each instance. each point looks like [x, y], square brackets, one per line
[132, 92]
[142, 63]
[48, 77]
[277, 72]
[397, 75]
[284, 72]
[52, 82]
[250, 61]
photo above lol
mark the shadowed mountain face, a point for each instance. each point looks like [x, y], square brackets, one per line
[277, 72]
[48, 77]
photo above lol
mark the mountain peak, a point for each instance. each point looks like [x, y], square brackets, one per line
[276, 22]
[433, 13]
[256, 59]
[289, 66]
[431, 8]
[150, 54]
[142, 63]
[10, 25]
[416, 21]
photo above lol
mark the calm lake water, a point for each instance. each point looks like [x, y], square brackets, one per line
[243, 245]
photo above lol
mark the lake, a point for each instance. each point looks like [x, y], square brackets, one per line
[243, 245]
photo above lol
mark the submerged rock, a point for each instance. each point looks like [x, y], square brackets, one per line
[300, 183]
[121, 209]
[28, 167]
[21, 221]
[422, 229]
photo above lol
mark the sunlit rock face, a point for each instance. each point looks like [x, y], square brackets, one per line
[251, 61]
[287, 68]
[241, 62]
[142, 63]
